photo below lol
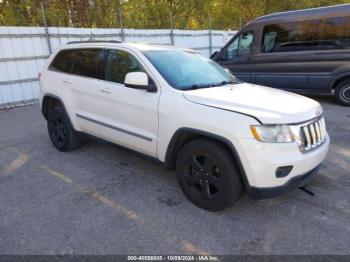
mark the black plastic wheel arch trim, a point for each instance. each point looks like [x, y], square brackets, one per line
[62, 105]
[54, 97]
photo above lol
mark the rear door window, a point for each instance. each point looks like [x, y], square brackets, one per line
[291, 37]
[88, 62]
[336, 33]
[63, 61]
[331, 33]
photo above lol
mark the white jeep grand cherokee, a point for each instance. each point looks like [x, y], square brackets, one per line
[222, 135]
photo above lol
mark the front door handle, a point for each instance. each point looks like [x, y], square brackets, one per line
[66, 81]
[106, 90]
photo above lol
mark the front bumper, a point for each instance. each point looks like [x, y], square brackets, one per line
[261, 160]
[293, 183]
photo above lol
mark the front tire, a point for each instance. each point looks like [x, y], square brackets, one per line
[208, 175]
[342, 93]
[61, 132]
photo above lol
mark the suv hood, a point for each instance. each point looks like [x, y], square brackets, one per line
[269, 105]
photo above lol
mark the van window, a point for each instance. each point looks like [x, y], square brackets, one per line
[336, 33]
[120, 63]
[289, 37]
[332, 33]
[63, 61]
[87, 62]
[241, 46]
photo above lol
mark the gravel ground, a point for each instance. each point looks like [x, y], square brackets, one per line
[103, 199]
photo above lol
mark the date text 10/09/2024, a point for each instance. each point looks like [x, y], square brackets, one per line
[173, 258]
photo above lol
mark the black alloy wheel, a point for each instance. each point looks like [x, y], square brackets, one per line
[61, 132]
[203, 177]
[207, 174]
[57, 130]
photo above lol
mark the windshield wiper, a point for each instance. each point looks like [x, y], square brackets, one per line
[224, 83]
[193, 87]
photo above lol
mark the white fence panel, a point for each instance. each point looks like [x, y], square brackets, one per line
[158, 36]
[195, 39]
[24, 50]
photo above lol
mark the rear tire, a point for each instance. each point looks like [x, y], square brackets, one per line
[342, 93]
[207, 174]
[62, 134]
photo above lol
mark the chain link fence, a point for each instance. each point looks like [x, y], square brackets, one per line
[78, 16]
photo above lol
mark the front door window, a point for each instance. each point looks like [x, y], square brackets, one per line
[241, 46]
[119, 63]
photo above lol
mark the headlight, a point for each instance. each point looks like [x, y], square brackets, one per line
[275, 133]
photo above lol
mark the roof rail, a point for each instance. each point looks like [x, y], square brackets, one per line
[94, 41]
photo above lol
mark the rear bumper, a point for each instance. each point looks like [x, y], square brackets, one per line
[293, 183]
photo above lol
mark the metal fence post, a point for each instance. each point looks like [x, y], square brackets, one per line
[210, 36]
[171, 27]
[46, 28]
[120, 11]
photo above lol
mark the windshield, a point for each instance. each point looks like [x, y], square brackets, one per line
[185, 71]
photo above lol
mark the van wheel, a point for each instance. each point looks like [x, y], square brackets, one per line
[342, 93]
[208, 175]
[61, 132]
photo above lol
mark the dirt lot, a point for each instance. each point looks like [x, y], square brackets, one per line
[103, 199]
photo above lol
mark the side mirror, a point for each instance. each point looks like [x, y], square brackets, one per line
[213, 54]
[224, 55]
[139, 80]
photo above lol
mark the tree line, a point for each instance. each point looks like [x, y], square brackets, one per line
[146, 14]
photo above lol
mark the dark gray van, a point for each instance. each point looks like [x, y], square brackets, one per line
[305, 51]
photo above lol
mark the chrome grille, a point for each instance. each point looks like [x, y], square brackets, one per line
[313, 134]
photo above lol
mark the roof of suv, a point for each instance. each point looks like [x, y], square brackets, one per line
[292, 15]
[113, 43]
